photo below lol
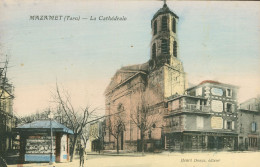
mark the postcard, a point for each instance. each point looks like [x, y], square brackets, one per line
[129, 83]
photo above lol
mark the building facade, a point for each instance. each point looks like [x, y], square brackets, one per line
[96, 136]
[249, 120]
[148, 85]
[203, 119]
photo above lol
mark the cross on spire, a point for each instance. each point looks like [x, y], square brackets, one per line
[164, 2]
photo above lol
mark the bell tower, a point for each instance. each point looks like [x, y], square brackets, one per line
[166, 73]
[164, 44]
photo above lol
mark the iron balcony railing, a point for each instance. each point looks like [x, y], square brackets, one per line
[191, 108]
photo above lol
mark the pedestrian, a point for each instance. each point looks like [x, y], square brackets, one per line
[82, 153]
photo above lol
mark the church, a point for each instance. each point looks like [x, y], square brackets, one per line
[145, 85]
[150, 107]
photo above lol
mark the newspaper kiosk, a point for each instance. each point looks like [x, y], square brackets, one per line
[37, 145]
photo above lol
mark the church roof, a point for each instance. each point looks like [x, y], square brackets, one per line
[137, 67]
[127, 72]
[163, 10]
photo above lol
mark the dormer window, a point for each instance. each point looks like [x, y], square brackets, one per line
[164, 23]
[155, 27]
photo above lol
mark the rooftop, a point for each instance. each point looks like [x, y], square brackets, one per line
[163, 10]
[212, 82]
[42, 125]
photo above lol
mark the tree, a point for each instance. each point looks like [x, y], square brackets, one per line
[39, 115]
[4, 85]
[145, 118]
[6, 97]
[116, 125]
[76, 119]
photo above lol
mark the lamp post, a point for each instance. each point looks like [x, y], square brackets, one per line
[51, 117]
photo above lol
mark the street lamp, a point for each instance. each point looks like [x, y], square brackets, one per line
[51, 117]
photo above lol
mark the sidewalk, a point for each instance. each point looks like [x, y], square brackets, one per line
[114, 153]
[62, 164]
[165, 159]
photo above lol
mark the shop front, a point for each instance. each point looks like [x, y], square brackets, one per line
[201, 141]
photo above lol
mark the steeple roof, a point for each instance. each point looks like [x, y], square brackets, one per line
[163, 10]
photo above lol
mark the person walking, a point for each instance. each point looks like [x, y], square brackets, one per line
[82, 154]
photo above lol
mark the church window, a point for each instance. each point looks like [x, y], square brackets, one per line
[164, 46]
[154, 51]
[164, 23]
[155, 27]
[175, 49]
[173, 25]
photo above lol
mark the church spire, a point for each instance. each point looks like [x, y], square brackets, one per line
[164, 3]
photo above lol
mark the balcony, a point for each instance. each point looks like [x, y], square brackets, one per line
[196, 108]
[190, 108]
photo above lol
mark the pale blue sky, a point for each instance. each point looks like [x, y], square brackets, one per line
[217, 40]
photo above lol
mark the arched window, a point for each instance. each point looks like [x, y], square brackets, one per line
[164, 46]
[154, 51]
[173, 25]
[155, 27]
[164, 23]
[175, 49]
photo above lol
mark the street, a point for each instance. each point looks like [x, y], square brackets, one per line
[165, 159]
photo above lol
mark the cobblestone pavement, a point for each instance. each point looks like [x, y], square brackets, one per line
[166, 159]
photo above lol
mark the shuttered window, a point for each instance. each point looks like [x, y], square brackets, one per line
[173, 25]
[154, 51]
[155, 27]
[175, 49]
[164, 46]
[164, 23]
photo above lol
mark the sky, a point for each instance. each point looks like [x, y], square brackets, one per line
[217, 40]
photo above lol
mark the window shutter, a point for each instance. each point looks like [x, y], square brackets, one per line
[225, 124]
[198, 105]
[233, 125]
[225, 107]
[233, 108]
